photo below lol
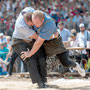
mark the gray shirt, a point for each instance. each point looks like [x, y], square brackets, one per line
[22, 30]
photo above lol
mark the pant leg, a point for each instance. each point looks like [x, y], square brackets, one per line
[63, 57]
[31, 62]
[33, 70]
[12, 61]
[42, 64]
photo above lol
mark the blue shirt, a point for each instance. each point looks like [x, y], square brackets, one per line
[47, 29]
[65, 34]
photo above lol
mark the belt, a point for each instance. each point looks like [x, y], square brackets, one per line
[27, 41]
[53, 39]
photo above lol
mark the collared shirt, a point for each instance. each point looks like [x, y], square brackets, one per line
[65, 34]
[22, 30]
[84, 37]
[47, 29]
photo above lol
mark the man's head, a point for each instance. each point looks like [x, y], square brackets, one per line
[28, 18]
[38, 18]
[61, 25]
[82, 27]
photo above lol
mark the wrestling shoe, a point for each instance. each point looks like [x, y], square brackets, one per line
[42, 85]
[80, 70]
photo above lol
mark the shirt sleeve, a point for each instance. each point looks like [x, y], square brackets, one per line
[47, 31]
[69, 33]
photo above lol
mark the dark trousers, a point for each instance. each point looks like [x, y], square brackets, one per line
[36, 64]
[12, 61]
[63, 58]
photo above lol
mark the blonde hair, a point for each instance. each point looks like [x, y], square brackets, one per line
[73, 31]
[38, 14]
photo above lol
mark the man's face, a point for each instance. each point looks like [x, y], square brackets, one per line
[37, 22]
[61, 26]
[82, 29]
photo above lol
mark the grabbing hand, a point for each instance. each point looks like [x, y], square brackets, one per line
[25, 54]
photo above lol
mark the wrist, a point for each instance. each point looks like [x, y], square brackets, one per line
[53, 36]
[29, 54]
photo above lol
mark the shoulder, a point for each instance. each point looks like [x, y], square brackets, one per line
[50, 25]
[67, 30]
[78, 34]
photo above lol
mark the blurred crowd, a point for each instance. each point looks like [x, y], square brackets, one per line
[72, 13]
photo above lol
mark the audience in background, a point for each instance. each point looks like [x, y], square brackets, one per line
[76, 42]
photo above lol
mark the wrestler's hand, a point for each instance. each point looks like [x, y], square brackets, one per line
[56, 34]
[25, 54]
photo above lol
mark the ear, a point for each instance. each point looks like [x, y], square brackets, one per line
[42, 20]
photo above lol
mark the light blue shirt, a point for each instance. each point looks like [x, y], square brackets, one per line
[77, 19]
[65, 34]
[22, 30]
[47, 29]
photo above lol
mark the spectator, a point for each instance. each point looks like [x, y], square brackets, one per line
[8, 39]
[83, 35]
[77, 19]
[2, 26]
[70, 22]
[64, 33]
[75, 42]
[86, 18]
[2, 38]
[3, 55]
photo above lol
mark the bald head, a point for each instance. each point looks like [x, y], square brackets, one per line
[38, 18]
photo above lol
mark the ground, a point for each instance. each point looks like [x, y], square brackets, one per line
[55, 83]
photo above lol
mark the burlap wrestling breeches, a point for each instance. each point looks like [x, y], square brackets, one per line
[53, 47]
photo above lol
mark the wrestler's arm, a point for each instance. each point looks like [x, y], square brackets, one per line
[38, 43]
[35, 36]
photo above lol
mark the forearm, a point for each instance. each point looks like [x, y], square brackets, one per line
[34, 36]
[36, 46]
[7, 58]
[1, 60]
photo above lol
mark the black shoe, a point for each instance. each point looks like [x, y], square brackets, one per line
[46, 85]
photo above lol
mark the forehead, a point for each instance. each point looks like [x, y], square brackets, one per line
[60, 24]
[82, 27]
[36, 19]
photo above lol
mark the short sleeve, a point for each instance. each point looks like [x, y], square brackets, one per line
[47, 31]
